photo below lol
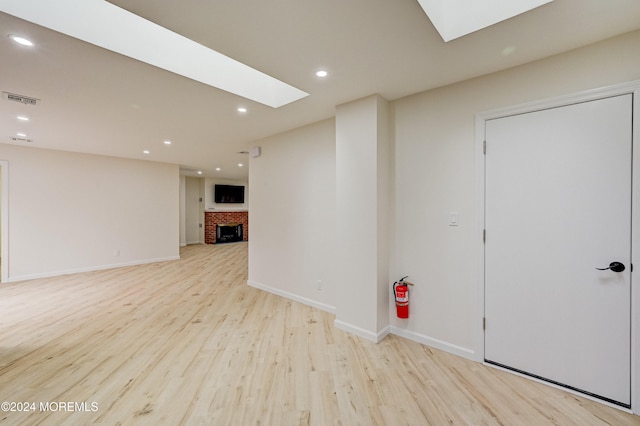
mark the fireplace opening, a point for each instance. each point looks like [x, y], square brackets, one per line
[228, 232]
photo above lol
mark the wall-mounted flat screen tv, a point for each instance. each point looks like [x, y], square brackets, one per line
[228, 194]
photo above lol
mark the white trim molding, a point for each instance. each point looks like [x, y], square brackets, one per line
[434, 343]
[361, 332]
[4, 220]
[91, 268]
[292, 296]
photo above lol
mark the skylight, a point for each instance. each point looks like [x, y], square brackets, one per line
[103, 24]
[456, 18]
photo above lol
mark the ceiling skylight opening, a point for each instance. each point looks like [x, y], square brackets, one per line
[21, 40]
[457, 18]
[93, 21]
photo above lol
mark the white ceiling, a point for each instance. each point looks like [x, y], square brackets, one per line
[93, 21]
[97, 101]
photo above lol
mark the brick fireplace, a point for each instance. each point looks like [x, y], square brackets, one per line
[211, 219]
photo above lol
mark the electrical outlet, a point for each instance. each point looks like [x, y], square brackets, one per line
[319, 285]
[454, 219]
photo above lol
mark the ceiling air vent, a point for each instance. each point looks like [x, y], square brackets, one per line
[20, 98]
[15, 139]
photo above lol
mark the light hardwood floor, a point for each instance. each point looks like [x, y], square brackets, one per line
[188, 342]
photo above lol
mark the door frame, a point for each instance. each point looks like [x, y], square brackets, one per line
[4, 223]
[590, 95]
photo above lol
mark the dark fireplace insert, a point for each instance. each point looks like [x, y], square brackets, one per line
[228, 232]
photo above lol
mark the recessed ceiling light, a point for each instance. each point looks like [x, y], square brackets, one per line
[167, 142]
[146, 151]
[21, 40]
[22, 135]
[217, 169]
[322, 73]
[199, 172]
[240, 164]
[23, 118]
[242, 109]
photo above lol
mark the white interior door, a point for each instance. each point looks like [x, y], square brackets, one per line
[558, 206]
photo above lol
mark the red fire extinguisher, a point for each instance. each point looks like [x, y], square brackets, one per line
[401, 295]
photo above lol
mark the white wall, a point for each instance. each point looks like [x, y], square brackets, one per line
[73, 212]
[435, 175]
[362, 194]
[292, 215]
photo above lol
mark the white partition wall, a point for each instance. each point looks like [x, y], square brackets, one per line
[292, 216]
[362, 206]
[70, 212]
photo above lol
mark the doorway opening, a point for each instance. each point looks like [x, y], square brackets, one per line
[4, 221]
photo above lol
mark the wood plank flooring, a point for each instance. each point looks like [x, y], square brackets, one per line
[188, 342]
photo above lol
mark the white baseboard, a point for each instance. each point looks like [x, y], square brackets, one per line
[361, 332]
[89, 269]
[292, 296]
[434, 343]
[366, 334]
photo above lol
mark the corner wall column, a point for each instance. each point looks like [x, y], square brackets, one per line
[362, 207]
